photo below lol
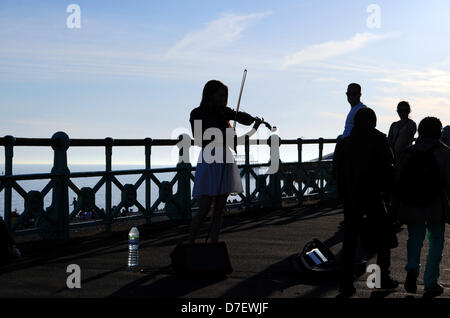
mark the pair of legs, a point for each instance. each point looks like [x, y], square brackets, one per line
[205, 202]
[416, 236]
[352, 230]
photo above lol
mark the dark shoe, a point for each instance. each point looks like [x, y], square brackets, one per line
[434, 291]
[346, 292]
[411, 282]
[388, 283]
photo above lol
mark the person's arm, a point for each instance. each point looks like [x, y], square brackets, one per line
[241, 117]
[386, 160]
[391, 135]
[338, 172]
[348, 126]
[251, 132]
[192, 117]
[406, 137]
[335, 163]
[447, 175]
[388, 156]
[245, 119]
[412, 129]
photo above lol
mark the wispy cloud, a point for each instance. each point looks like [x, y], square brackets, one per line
[426, 90]
[421, 106]
[428, 81]
[326, 50]
[338, 116]
[325, 79]
[51, 60]
[216, 34]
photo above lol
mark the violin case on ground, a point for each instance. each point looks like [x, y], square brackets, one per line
[316, 258]
[201, 259]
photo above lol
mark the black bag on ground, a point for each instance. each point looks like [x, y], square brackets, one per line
[419, 182]
[209, 259]
[316, 258]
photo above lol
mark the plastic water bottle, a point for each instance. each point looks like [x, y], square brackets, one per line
[133, 248]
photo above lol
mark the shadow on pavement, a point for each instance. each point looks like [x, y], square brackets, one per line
[279, 277]
[167, 287]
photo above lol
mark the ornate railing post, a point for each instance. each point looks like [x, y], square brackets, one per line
[55, 223]
[299, 171]
[275, 180]
[247, 172]
[9, 153]
[148, 166]
[109, 142]
[320, 166]
[184, 168]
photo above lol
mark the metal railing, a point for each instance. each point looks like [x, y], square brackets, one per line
[55, 220]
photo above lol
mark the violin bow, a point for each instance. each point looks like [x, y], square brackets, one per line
[240, 95]
[239, 103]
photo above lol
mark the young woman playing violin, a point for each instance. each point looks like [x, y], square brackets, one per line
[214, 181]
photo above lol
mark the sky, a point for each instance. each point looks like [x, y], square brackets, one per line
[135, 69]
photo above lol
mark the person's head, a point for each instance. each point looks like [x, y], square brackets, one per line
[215, 94]
[430, 127]
[403, 110]
[365, 119]
[353, 94]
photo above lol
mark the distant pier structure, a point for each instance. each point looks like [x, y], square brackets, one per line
[293, 182]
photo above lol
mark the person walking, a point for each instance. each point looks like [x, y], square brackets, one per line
[401, 133]
[363, 168]
[215, 179]
[423, 189]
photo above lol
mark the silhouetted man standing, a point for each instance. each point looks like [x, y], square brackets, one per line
[354, 98]
[363, 168]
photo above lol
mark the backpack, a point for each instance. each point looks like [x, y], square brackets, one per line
[419, 183]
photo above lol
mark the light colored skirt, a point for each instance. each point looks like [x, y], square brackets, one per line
[209, 180]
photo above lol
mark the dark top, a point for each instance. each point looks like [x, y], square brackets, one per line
[439, 210]
[363, 167]
[218, 118]
[401, 135]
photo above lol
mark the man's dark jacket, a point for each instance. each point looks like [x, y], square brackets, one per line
[363, 166]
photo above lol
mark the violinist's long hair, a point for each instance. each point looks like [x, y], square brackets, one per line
[208, 91]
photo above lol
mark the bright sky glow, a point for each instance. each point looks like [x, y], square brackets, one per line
[135, 69]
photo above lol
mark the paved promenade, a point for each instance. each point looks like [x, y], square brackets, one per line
[261, 247]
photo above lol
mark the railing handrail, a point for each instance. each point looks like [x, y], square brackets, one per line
[75, 142]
